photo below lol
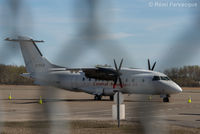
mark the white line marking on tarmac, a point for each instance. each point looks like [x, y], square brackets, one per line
[158, 116]
[87, 112]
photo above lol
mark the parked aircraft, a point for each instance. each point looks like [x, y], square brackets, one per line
[98, 81]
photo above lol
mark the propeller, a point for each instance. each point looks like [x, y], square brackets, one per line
[149, 65]
[118, 73]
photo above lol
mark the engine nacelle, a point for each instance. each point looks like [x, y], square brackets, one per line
[108, 92]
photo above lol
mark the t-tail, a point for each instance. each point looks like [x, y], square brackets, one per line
[33, 58]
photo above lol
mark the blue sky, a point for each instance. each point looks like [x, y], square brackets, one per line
[138, 30]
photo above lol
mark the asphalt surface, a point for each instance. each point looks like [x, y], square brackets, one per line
[65, 105]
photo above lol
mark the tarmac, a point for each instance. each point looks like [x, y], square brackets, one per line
[65, 105]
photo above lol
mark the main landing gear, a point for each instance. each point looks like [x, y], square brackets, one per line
[97, 97]
[111, 98]
[166, 98]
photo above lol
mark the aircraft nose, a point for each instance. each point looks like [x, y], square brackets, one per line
[177, 88]
[171, 87]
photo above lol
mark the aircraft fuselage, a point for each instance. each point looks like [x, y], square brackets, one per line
[136, 81]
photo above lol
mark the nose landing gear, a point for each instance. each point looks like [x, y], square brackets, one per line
[165, 98]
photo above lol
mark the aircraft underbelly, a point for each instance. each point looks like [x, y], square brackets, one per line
[98, 91]
[144, 88]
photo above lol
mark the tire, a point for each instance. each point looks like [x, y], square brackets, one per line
[166, 99]
[97, 97]
[111, 98]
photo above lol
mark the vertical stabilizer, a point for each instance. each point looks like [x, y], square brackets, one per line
[34, 61]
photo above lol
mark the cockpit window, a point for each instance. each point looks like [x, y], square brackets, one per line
[155, 78]
[164, 78]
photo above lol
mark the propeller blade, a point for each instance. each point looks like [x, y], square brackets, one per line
[115, 65]
[120, 64]
[153, 66]
[149, 66]
[117, 76]
[115, 83]
[120, 82]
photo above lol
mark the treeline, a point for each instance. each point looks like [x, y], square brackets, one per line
[11, 75]
[185, 76]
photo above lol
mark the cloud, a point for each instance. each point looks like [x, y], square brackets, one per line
[120, 35]
[108, 36]
[115, 9]
[161, 24]
[164, 25]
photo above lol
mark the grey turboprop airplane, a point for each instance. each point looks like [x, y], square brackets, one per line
[98, 81]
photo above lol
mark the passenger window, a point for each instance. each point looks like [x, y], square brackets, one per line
[156, 78]
[83, 79]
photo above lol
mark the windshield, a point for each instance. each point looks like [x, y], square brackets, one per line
[156, 78]
[164, 78]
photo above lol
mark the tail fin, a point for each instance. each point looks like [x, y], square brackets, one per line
[33, 58]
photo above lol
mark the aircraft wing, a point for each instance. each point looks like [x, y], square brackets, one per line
[100, 73]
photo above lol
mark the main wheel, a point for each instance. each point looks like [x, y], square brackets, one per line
[97, 97]
[166, 99]
[111, 98]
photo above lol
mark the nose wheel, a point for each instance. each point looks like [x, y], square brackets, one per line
[166, 98]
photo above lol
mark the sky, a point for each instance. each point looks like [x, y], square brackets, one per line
[165, 31]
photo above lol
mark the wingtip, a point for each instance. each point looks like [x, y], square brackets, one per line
[7, 39]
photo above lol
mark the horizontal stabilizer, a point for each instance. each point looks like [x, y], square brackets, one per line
[26, 75]
[24, 40]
